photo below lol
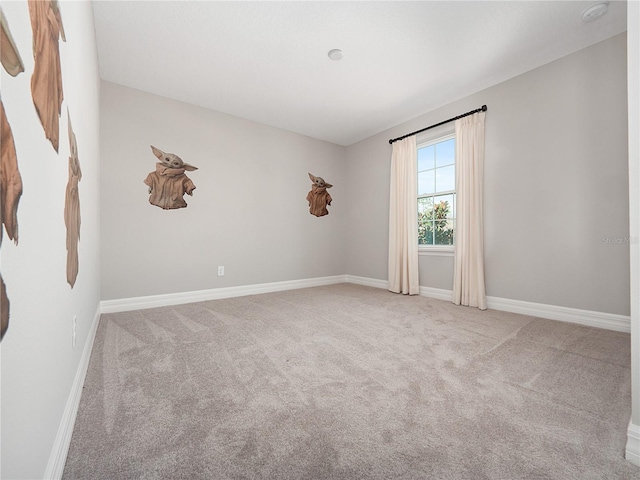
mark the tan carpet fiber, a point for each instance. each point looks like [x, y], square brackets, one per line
[350, 382]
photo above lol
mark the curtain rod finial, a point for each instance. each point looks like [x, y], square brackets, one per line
[484, 108]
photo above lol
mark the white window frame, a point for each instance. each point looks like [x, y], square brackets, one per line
[437, 250]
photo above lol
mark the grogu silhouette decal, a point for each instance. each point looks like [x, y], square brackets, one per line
[10, 192]
[46, 81]
[72, 207]
[318, 197]
[168, 184]
[11, 60]
[10, 179]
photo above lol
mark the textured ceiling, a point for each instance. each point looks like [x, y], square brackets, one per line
[267, 61]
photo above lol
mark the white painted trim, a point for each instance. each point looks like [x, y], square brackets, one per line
[632, 452]
[437, 293]
[436, 252]
[609, 321]
[152, 301]
[368, 282]
[633, 98]
[58, 456]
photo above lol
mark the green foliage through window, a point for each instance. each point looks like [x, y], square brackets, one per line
[436, 192]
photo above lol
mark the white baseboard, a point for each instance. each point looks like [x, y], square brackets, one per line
[366, 281]
[609, 321]
[58, 456]
[632, 452]
[140, 303]
[437, 293]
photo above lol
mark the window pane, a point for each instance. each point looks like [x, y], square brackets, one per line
[426, 158]
[429, 239]
[443, 232]
[445, 178]
[445, 153]
[425, 233]
[426, 182]
[443, 207]
[425, 221]
[425, 205]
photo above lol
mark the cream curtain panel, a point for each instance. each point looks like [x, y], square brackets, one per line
[403, 218]
[468, 278]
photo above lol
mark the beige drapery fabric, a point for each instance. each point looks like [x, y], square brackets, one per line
[468, 278]
[403, 218]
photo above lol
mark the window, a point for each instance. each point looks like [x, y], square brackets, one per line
[436, 192]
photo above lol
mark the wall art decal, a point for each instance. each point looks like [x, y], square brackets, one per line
[46, 81]
[4, 309]
[10, 192]
[318, 197]
[10, 180]
[168, 184]
[72, 208]
[9, 54]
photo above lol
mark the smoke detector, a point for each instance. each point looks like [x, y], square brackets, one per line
[594, 12]
[335, 54]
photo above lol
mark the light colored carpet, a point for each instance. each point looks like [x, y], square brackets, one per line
[350, 382]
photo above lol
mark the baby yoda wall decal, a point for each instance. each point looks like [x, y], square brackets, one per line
[46, 81]
[168, 183]
[72, 207]
[318, 197]
[9, 54]
[10, 192]
[10, 179]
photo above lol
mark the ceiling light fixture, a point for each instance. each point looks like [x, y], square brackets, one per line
[594, 12]
[335, 54]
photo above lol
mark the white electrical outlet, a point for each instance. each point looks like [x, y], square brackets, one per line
[73, 332]
[220, 271]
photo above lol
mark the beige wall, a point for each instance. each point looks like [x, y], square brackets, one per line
[248, 212]
[556, 202]
[39, 362]
[556, 191]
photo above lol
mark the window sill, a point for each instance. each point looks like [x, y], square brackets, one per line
[447, 251]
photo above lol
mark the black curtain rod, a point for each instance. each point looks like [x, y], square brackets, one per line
[483, 108]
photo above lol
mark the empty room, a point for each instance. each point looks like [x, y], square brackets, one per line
[320, 239]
